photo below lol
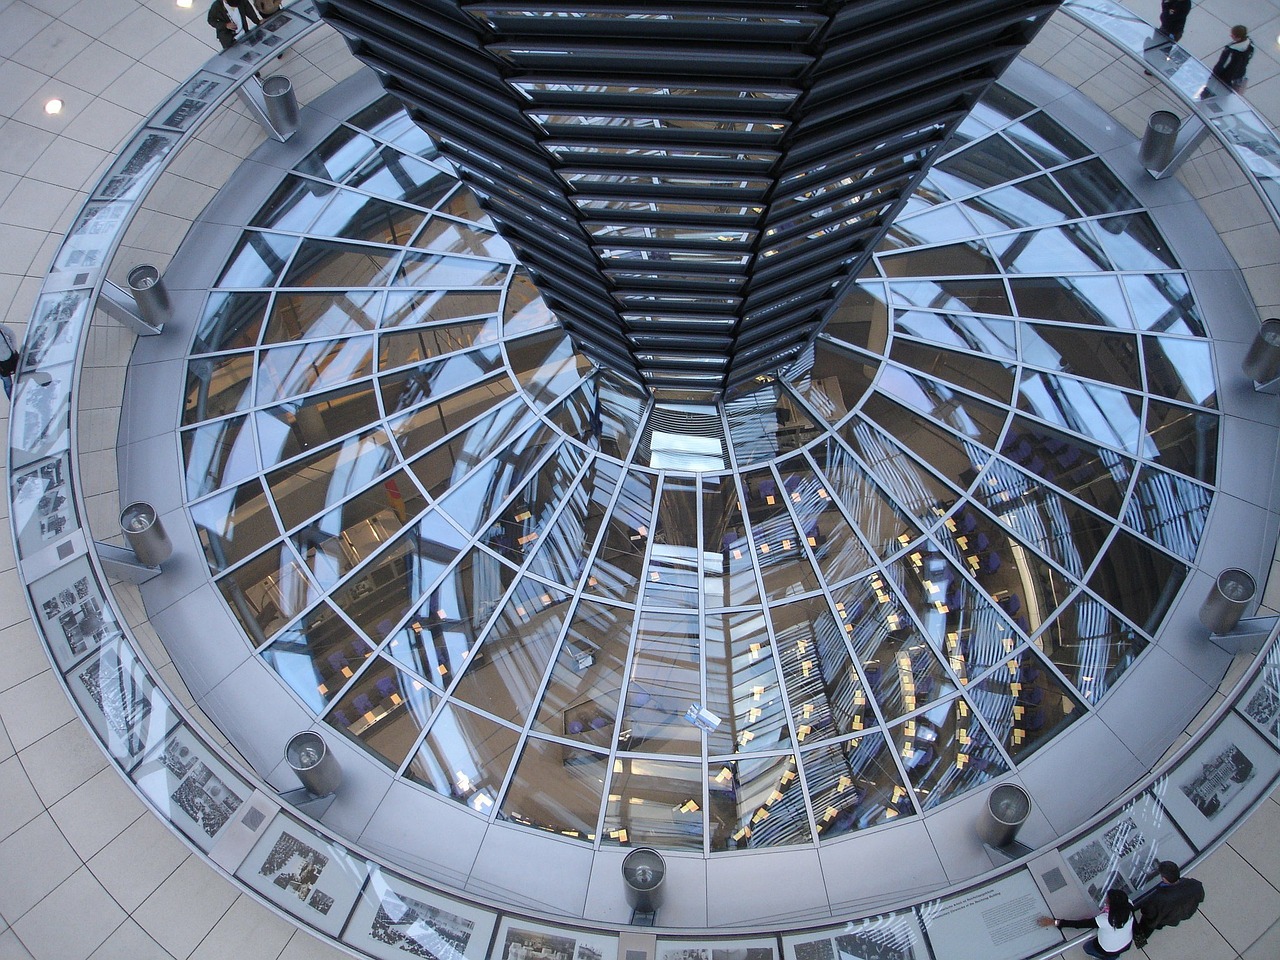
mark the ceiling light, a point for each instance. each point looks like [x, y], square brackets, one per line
[53, 106]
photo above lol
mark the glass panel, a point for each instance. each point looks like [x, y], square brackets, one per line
[1029, 203]
[1133, 243]
[1180, 370]
[431, 423]
[328, 263]
[836, 382]
[665, 679]
[1110, 357]
[505, 675]
[231, 321]
[1163, 303]
[357, 217]
[394, 175]
[435, 270]
[1088, 300]
[824, 692]
[305, 487]
[216, 454]
[729, 575]
[958, 459]
[989, 163]
[1095, 189]
[742, 686]
[901, 670]
[1110, 416]
[217, 386]
[1182, 439]
[1090, 645]
[297, 316]
[415, 346]
[267, 592]
[952, 260]
[556, 787]
[860, 318]
[585, 688]
[1169, 509]
[384, 591]
[784, 565]
[473, 502]
[1055, 250]
[562, 557]
[1138, 580]
[973, 296]
[517, 530]
[933, 226]
[1024, 704]
[1046, 141]
[1094, 474]
[317, 655]
[433, 306]
[835, 545]
[465, 757]
[524, 308]
[297, 369]
[293, 205]
[340, 153]
[619, 563]
[868, 509]
[384, 710]
[655, 803]
[854, 785]
[337, 542]
[988, 335]
[946, 752]
[234, 524]
[908, 483]
[449, 236]
[546, 365]
[673, 561]
[257, 260]
[757, 802]
[293, 428]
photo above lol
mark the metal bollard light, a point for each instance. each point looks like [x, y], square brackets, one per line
[309, 758]
[1003, 815]
[145, 534]
[1159, 141]
[643, 870]
[281, 104]
[1230, 594]
[146, 286]
[1262, 362]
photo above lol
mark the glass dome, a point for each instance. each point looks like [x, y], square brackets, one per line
[844, 595]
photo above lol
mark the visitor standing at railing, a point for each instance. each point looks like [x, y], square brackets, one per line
[8, 358]
[1176, 899]
[1233, 62]
[222, 24]
[1173, 18]
[1114, 924]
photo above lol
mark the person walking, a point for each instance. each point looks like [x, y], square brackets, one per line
[1114, 923]
[222, 23]
[1233, 62]
[247, 12]
[8, 358]
[1173, 18]
[1175, 899]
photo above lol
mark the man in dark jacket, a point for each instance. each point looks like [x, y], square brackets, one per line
[1173, 18]
[1174, 900]
[222, 23]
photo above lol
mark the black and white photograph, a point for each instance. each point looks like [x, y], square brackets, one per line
[809, 946]
[135, 169]
[42, 507]
[187, 105]
[1214, 784]
[54, 337]
[191, 787]
[304, 874]
[1123, 850]
[894, 936]
[73, 611]
[1261, 702]
[91, 237]
[118, 697]
[518, 940]
[758, 949]
[396, 918]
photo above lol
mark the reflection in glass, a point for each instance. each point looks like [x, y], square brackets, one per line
[317, 655]
[854, 785]
[945, 752]
[1024, 704]
[756, 802]
[231, 321]
[297, 316]
[384, 710]
[742, 686]
[465, 757]
[655, 803]
[1090, 645]
[556, 787]
[665, 679]
[267, 592]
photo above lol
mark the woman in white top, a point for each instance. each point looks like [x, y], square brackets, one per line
[1114, 923]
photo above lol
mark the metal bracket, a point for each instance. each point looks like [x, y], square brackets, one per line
[1013, 850]
[121, 564]
[251, 95]
[1247, 636]
[1271, 386]
[1191, 134]
[303, 800]
[119, 305]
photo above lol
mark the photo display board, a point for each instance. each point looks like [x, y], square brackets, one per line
[396, 918]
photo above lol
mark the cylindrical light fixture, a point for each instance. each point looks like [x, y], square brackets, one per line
[281, 104]
[1159, 140]
[1262, 362]
[643, 871]
[149, 293]
[145, 534]
[1004, 813]
[309, 758]
[1230, 594]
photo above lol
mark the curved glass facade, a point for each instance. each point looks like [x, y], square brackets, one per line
[837, 598]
